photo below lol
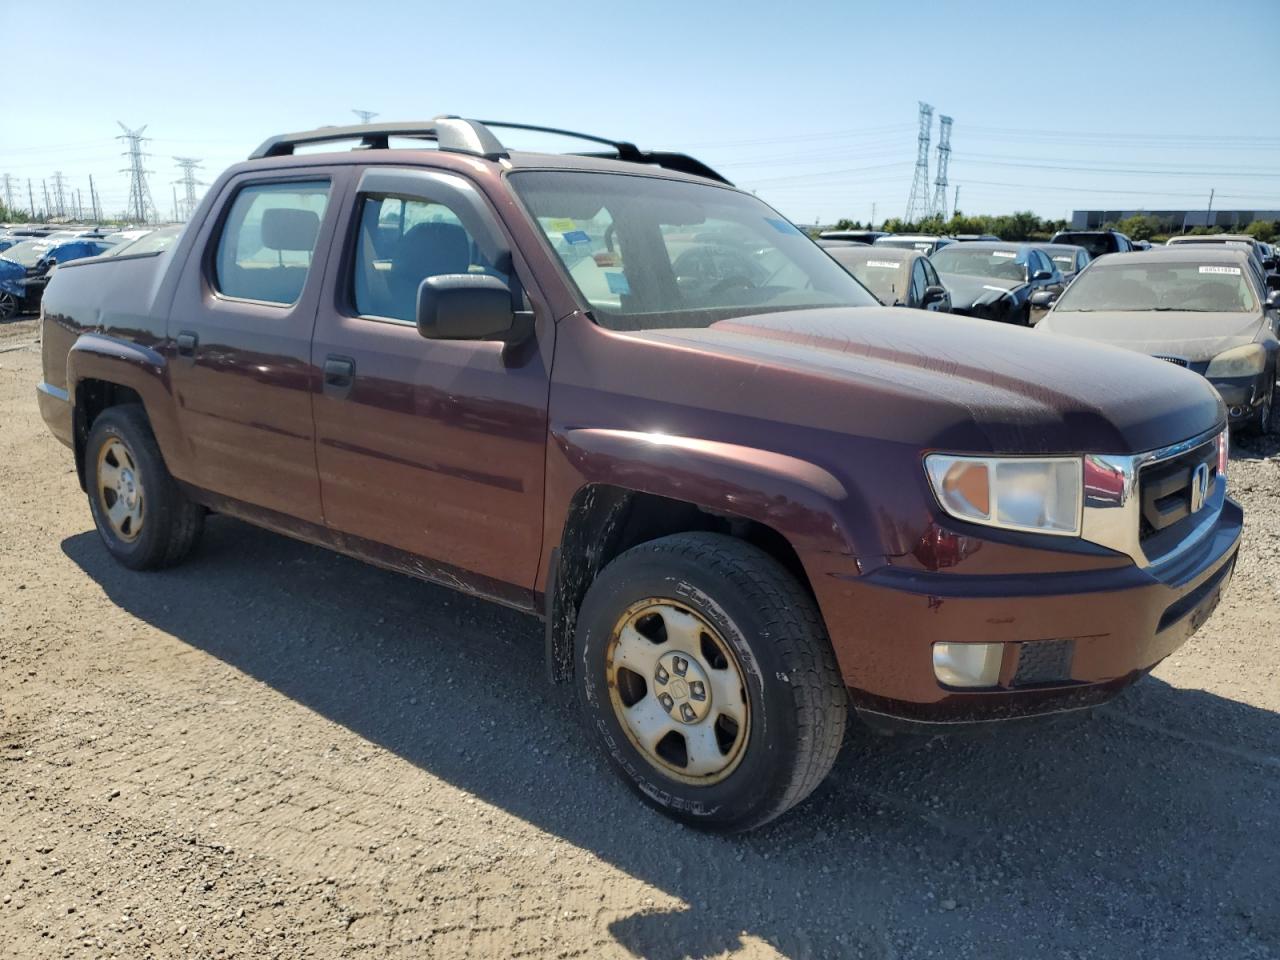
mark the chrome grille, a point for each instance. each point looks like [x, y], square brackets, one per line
[1180, 361]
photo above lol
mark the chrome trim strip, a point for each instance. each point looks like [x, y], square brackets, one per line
[1113, 504]
[55, 392]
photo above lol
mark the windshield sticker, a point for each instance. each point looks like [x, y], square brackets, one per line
[1004, 254]
[576, 236]
[562, 225]
[782, 226]
[617, 283]
[887, 264]
[1228, 271]
[923, 246]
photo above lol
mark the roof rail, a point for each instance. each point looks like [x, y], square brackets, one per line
[623, 150]
[449, 133]
[474, 137]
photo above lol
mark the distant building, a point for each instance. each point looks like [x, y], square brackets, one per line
[1172, 220]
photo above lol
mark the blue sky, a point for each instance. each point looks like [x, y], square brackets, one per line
[813, 105]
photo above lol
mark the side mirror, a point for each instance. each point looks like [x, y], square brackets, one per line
[1041, 275]
[1273, 281]
[1270, 263]
[1044, 299]
[1273, 300]
[933, 295]
[465, 306]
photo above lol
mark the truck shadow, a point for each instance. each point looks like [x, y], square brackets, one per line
[1146, 828]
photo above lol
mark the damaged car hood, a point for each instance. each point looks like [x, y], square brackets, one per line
[1194, 337]
[972, 291]
[945, 382]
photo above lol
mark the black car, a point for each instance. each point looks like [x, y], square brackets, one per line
[898, 278]
[853, 236]
[1097, 242]
[997, 281]
[1067, 257]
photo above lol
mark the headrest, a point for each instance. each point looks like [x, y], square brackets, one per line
[285, 228]
[431, 249]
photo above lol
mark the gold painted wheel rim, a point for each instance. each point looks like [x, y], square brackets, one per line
[120, 494]
[678, 692]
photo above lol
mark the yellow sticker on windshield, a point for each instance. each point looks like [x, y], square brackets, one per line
[561, 225]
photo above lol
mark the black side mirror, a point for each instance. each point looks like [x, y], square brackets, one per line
[1273, 281]
[1044, 299]
[465, 306]
[1273, 300]
[1270, 263]
[932, 295]
[1041, 275]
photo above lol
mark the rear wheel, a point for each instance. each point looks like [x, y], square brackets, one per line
[8, 305]
[142, 516]
[704, 668]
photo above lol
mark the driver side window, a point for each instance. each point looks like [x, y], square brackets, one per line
[917, 282]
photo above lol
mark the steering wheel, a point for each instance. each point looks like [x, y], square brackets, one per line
[733, 281]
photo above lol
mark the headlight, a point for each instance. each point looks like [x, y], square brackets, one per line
[1247, 361]
[1039, 494]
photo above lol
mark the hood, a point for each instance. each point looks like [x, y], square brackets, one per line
[10, 270]
[1193, 336]
[954, 383]
[976, 291]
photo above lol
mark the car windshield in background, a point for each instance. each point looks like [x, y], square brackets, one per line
[27, 253]
[972, 261]
[153, 242]
[1066, 262]
[1096, 243]
[924, 246]
[887, 279]
[1196, 288]
[651, 253]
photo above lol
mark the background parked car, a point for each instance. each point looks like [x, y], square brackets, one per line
[898, 278]
[148, 241]
[1067, 257]
[914, 241]
[1196, 306]
[854, 236]
[1258, 249]
[1097, 242]
[970, 237]
[996, 281]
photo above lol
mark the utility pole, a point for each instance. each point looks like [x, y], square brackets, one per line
[189, 183]
[366, 116]
[873, 214]
[8, 193]
[140, 206]
[1208, 214]
[918, 203]
[955, 204]
[31, 198]
[44, 185]
[939, 206]
[93, 200]
[79, 207]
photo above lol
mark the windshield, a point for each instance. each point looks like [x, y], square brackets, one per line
[1096, 243]
[27, 253]
[153, 242]
[1191, 287]
[649, 253]
[970, 261]
[1066, 262]
[887, 279]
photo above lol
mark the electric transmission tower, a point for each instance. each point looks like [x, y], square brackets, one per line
[8, 194]
[188, 182]
[918, 204]
[59, 196]
[140, 206]
[939, 206]
[366, 116]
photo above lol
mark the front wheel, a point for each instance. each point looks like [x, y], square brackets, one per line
[704, 668]
[8, 305]
[142, 516]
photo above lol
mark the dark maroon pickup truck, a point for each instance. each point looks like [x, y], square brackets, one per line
[623, 395]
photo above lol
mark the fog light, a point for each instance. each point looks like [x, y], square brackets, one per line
[967, 664]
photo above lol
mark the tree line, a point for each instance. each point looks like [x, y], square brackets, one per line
[1025, 225]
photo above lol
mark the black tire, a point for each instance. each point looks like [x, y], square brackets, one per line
[171, 523]
[796, 701]
[8, 305]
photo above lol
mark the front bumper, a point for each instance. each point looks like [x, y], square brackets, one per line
[55, 408]
[1070, 639]
[1243, 396]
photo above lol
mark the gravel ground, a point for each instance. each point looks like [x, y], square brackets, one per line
[274, 751]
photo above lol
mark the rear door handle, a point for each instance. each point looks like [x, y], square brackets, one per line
[187, 343]
[339, 372]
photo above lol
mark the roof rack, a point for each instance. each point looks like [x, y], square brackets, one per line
[474, 137]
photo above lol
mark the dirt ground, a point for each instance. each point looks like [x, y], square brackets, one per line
[274, 751]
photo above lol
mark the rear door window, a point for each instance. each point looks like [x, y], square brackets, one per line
[268, 240]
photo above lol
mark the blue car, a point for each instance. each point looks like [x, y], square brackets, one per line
[25, 266]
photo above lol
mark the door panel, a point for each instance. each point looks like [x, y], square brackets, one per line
[241, 368]
[434, 448]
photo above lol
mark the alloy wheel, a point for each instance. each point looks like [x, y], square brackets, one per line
[120, 493]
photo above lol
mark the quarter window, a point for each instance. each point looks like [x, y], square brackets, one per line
[268, 241]
[402, 241]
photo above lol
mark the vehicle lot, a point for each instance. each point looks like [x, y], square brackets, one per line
[277, 751]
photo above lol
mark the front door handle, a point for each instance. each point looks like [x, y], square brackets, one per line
[187, 343]
[339, 372]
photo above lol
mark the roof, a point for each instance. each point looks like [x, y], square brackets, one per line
[997, 245]
[863, 252]
[1179, 254]
[1058, 247]
[1212, 238]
